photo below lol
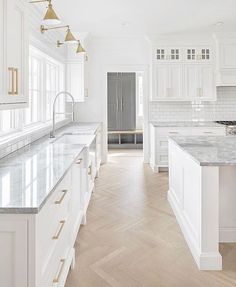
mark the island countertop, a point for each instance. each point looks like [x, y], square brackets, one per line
[30, 175]
[209, 151]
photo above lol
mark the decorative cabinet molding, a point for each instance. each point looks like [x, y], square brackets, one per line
[14, 54]
[183, 73]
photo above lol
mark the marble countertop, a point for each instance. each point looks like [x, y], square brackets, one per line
[186, 124]
[30, 175]
[209, 151]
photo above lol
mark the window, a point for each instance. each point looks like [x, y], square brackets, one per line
[9, 121]
[46, 79]
[32, 114]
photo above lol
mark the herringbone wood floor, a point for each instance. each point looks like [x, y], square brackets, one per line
[132, 238]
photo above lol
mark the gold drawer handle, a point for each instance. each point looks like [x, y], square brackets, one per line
[90, 170]
[17, 80]
[79, 161]
[62, 263]
[62, 223]
[11, 73]
[62, 197]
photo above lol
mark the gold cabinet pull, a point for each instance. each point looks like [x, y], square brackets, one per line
[64, 192]
[62, 264]
[16, 82]
[62, 223]
[11, 77]
[90, 170]
[79, 161]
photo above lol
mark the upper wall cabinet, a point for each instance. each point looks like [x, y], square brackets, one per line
[226, 61]
[184, 73]
[186, 54]
[77, 77]
[14, 54]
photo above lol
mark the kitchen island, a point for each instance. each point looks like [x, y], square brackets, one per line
[202, 181]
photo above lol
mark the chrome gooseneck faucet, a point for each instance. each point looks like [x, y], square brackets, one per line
[52, 133]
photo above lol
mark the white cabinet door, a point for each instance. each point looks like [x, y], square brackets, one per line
[198, 54]
[199, 82]
[75, 80]
[227, 54]
[191, 82]
[13, 259]
[207, 83]
[160, 82]
[175, 78]
[16, 53]
[168, 82]
[2, 48]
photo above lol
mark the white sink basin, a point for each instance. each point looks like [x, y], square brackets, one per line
[75, 139]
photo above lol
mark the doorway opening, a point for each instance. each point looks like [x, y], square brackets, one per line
[125, 111]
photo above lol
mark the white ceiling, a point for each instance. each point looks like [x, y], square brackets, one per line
[146, 17]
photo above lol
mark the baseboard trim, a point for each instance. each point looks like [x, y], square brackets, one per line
[228, 234]
[204, 261]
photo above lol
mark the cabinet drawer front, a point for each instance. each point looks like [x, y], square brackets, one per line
[162, 143]
[50, 232]
[162, 159]
[172, 131]
[208, 131]
[55, 268]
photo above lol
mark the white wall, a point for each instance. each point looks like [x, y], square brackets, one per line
[104, 55]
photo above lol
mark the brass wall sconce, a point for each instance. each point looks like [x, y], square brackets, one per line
[50, 17]
[69, 39]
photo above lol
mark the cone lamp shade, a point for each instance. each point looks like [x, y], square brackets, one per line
[70, 39]
[80, 49]
[51, 18]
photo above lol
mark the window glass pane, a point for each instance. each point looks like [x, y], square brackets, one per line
[31, 114]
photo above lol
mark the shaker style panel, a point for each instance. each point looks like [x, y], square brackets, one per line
[14, 52]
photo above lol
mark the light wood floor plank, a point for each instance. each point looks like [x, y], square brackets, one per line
[132, 238]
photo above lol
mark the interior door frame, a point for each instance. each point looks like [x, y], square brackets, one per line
[127, 69]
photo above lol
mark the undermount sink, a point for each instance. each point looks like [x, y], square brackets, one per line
[75, 139]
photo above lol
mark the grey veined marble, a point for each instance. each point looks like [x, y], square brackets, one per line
[30, 175]
[209, 151]
[186, 124]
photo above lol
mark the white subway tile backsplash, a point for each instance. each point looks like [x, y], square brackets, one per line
[223, 109]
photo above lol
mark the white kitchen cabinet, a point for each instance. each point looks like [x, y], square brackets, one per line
[226, 61]
[172, 54]
[159, 141]
[38, 249]
[13, 245]
[77, 77]
[14, 54]
[168, 82]
[198, 54]
[183, 73]
[199, 82]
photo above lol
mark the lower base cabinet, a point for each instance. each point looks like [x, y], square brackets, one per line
[37, 250]
[159, 141]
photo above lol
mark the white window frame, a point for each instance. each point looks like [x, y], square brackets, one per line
[17, 117]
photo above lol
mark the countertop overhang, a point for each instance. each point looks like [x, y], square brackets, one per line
[210, 150]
